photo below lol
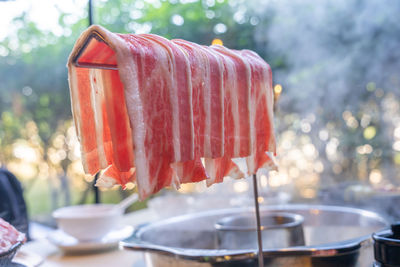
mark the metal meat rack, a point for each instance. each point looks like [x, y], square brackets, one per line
[98, 39]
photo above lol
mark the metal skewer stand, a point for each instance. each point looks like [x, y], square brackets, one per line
[257, 211]
[97, 37]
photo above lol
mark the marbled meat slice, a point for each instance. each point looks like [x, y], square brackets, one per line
[150, 111]
[261, 113]
[239, 100]
[111, 174]
[236, 82]
[207, 105]
[169, 104]
[118, 120]
[88, 109]
[9, 236]
[180, 97]
[101, 94]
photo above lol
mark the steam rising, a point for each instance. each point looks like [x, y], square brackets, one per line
[334, 48]
[339, 65]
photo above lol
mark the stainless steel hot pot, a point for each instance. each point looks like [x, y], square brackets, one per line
[334, 236]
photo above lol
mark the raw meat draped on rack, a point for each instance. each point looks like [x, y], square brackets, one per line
[162, 113]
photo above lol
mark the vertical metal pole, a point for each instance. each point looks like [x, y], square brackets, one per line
[95, 188]
[259, 237]
[90, 15]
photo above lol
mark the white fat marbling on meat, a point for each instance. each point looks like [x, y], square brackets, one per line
[97, 99]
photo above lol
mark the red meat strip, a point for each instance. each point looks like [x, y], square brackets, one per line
[261, 113]
[207, 105]
[239, 100]
[180, 97]
[118, 119]
[236, 116]
[167, 105]
[89, 115]
[151, 111]
[9, 236]
[112, 173]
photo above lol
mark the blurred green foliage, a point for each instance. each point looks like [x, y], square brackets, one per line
[338, 115]
[34, 77]
[33, 73]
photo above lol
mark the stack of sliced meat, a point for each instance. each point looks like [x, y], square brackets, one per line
[169, 112]
[9, 237]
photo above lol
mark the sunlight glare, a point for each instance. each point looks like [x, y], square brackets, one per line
[217, 41]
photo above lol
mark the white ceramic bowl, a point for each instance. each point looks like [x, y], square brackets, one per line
[88, 222]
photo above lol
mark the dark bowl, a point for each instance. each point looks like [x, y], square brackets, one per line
[387, 246]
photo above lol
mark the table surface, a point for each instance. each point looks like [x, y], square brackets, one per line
[53, 257]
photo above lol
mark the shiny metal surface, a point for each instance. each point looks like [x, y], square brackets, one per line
[334, 236]
[258, 223]
[278, 230]
[95, 36]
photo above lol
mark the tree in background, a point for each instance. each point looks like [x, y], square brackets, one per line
[37, 138]
[337, 62]
[341, 108]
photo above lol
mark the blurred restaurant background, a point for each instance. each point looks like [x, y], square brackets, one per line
[336, 67]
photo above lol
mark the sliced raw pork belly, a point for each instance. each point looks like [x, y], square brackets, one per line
[118, 119]
[112, 173]
[261, 113]
[99, 111]
[239, 100]
[180, 95]
[103, 141]
[152, 146]
[93, 154]
[164, 105]
[207, 106]
[9, 237]
[237, 107]
[155, 115]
